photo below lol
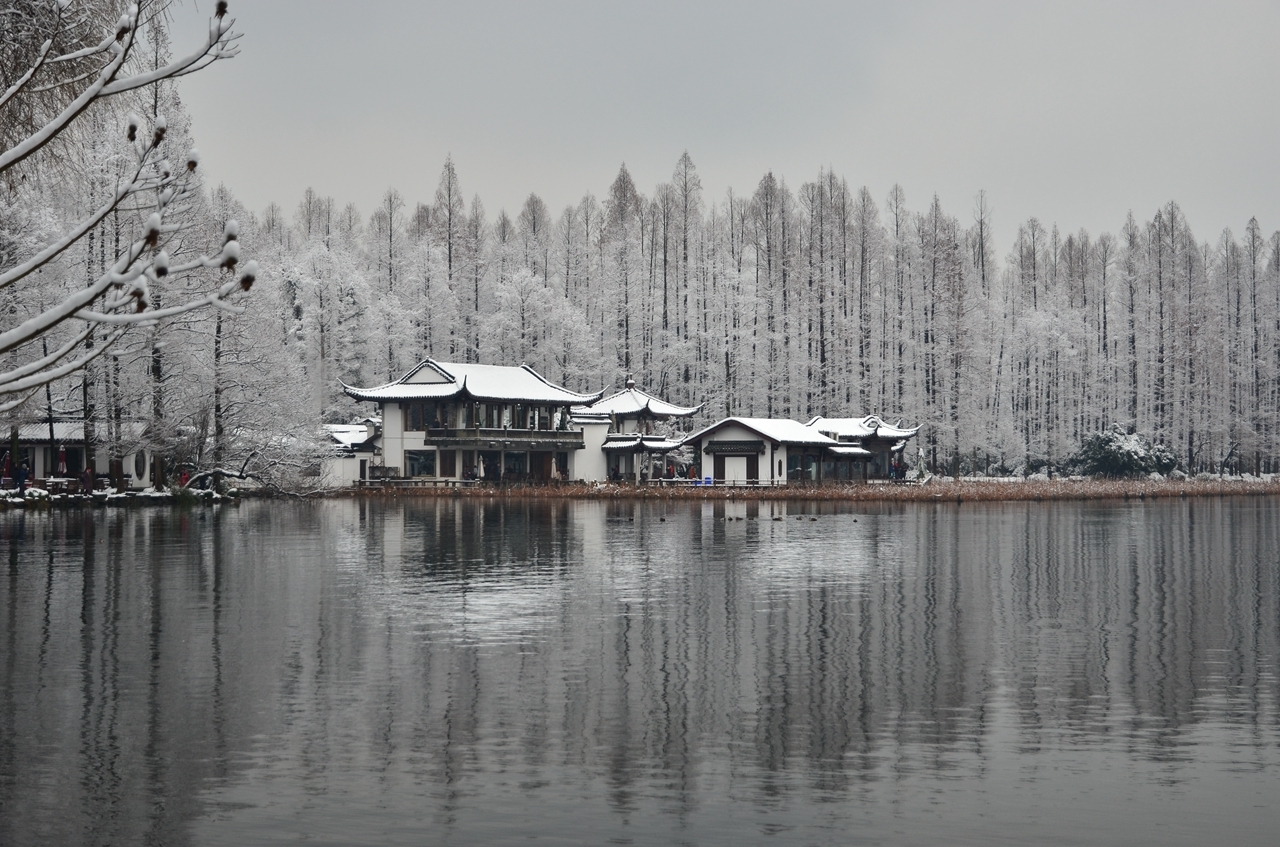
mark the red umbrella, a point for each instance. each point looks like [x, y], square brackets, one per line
[62, 461]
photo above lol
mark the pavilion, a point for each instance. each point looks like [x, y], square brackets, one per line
[868, 448]
[456, 421]
[57, 449]
[778, 451]
[630, 443]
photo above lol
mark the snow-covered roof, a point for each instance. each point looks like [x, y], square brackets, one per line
[432, 380]
[781, 430]
[631, 402]
[868, 427]
[851, 451]
[72, 432]
[638, 443]
[348, 435]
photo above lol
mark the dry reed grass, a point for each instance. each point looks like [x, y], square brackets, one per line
[933, 491]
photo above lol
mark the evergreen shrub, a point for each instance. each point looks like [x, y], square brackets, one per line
[1117, 452]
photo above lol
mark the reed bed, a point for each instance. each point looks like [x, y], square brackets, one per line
[935, 490]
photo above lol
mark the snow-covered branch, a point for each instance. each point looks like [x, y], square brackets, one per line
[123, 295]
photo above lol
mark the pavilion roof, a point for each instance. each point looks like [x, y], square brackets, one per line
[349, 436]
[871, 426]
[432, 380]
[631, 402]
[636, 443]
[72, 432]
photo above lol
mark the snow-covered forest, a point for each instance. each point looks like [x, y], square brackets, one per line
[786, 299]
[796, 301]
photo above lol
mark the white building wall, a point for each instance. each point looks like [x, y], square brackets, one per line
[340, 471]
[773, 461]
[393, 436]
[590, 464]
[778, 466]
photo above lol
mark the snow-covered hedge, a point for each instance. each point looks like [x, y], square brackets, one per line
[1117, 452]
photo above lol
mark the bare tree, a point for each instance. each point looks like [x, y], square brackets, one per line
[63, 78]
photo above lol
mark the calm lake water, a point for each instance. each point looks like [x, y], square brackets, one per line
[457, 672]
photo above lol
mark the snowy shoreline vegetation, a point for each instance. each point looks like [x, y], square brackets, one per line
[786, 301]
[937, 489]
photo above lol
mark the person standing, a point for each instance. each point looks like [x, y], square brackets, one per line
[21, 477]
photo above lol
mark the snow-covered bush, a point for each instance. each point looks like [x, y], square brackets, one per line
[1117, 452]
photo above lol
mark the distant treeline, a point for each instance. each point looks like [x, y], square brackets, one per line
[787, 301]
[811, 301]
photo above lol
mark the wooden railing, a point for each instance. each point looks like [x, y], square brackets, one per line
[523, 438]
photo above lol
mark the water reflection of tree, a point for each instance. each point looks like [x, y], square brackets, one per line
[151, 656]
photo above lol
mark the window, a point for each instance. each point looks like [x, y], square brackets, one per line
[420, 462]
[515, 464]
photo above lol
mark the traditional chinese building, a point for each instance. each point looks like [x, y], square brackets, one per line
[868, 447]
[759, 451]
[451, 421]
[624, 428]
[776, 451]
[351, 452]
[57, 450]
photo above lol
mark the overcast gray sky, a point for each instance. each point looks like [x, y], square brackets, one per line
[1073, 112]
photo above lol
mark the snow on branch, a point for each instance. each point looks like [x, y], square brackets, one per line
[122, 296]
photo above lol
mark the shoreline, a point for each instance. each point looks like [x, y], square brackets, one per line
[934, 490]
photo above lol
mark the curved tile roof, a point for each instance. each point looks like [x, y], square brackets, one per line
[782, 430]
[632, 402]
[870, 426]
[498, 383]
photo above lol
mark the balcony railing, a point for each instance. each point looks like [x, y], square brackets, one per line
[482, 438]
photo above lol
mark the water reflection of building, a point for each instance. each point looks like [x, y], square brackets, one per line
[156, 662]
